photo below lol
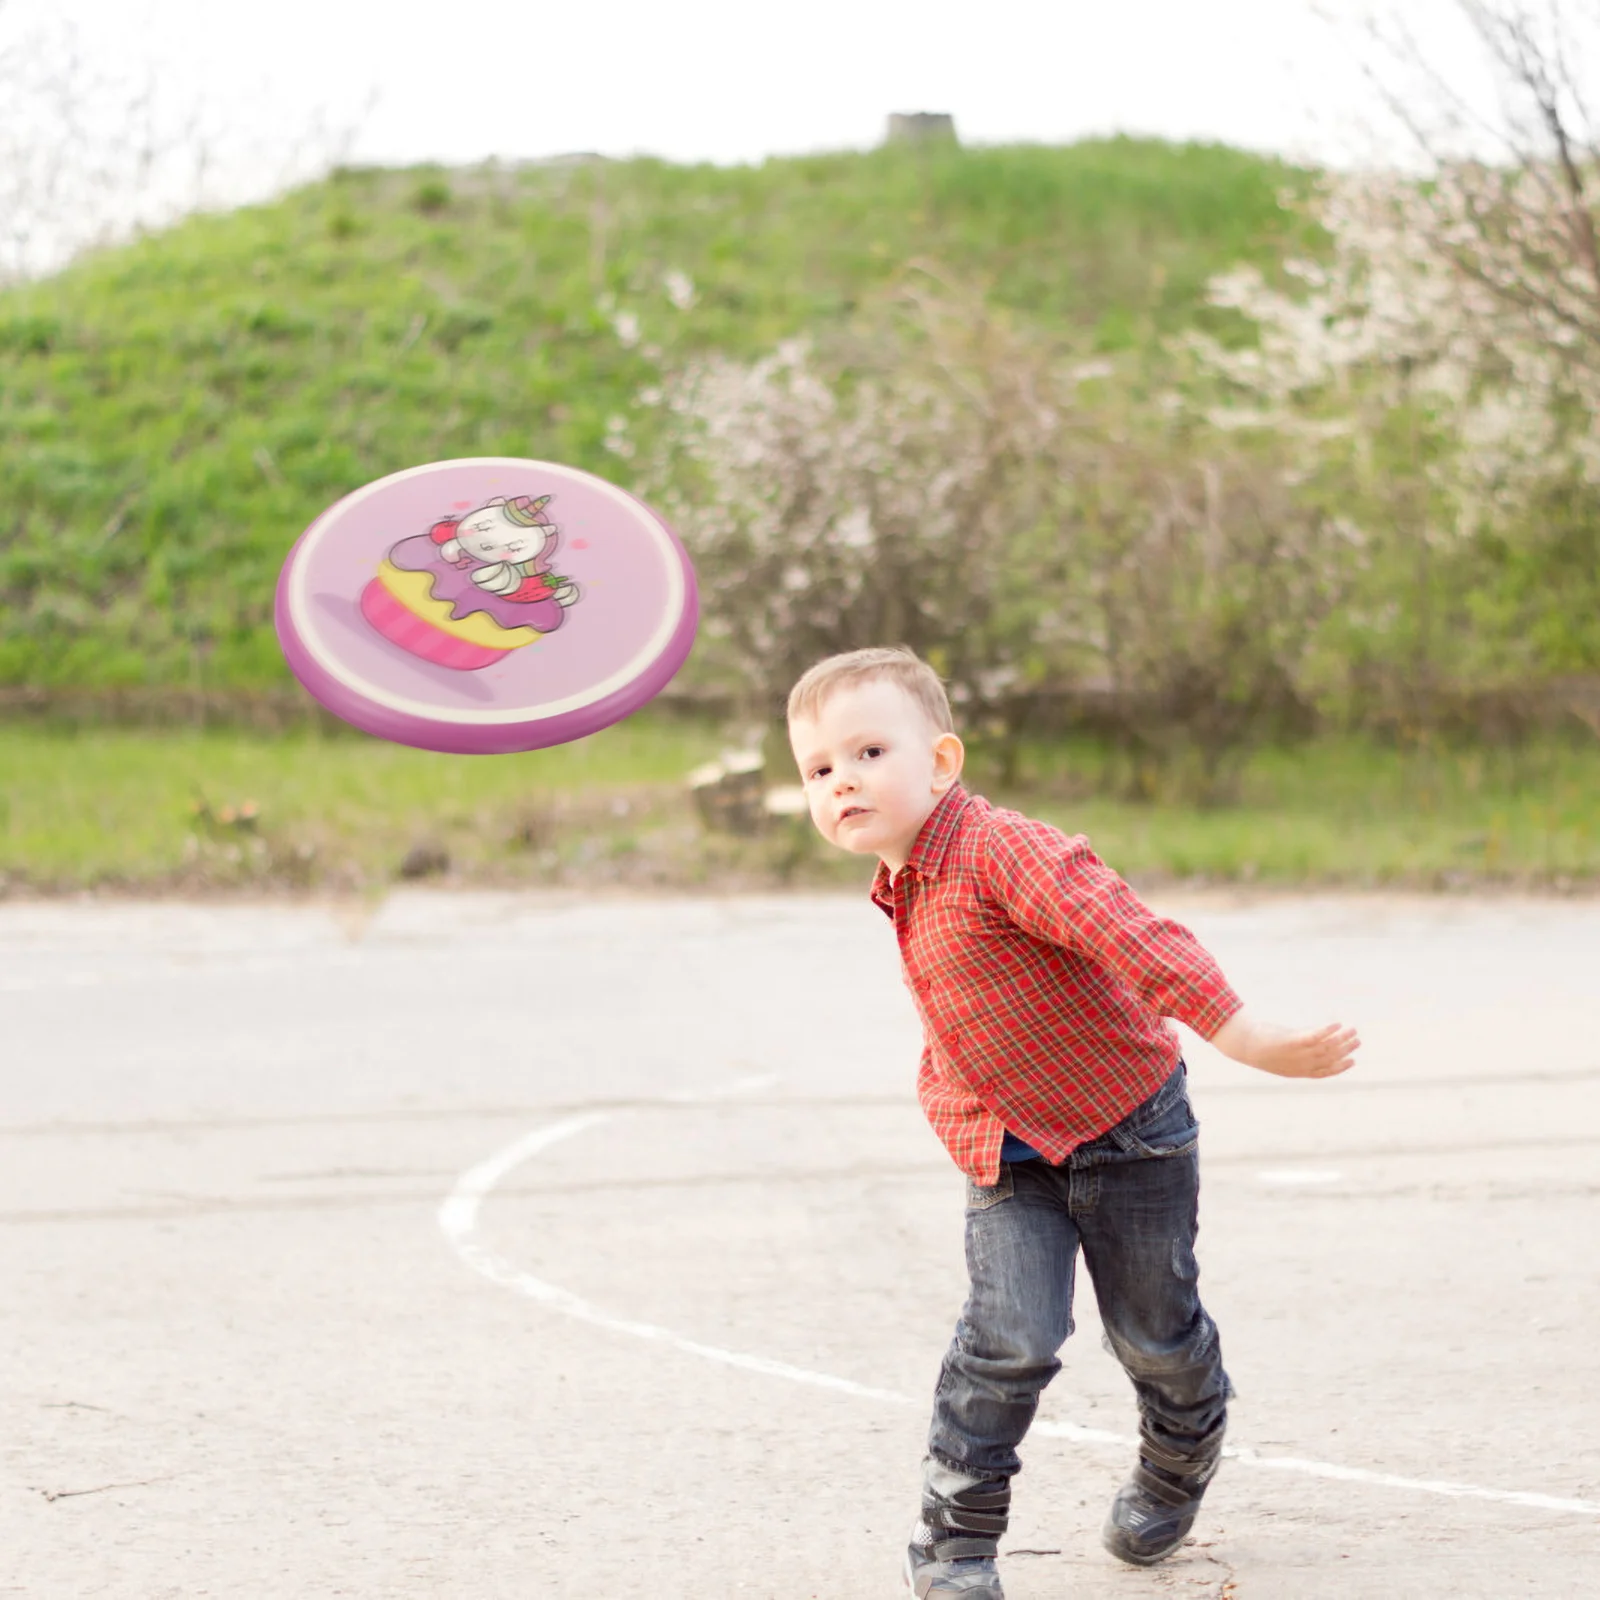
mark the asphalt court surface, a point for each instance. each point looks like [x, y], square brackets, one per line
[477, 1245]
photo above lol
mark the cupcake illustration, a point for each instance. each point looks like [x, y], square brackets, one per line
[471, 589]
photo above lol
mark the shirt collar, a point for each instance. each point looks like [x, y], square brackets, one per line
[932, 843]
[939, 832]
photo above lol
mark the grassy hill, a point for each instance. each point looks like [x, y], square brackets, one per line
[174, 412]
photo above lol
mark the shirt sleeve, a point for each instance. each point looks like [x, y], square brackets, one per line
[1055, 888]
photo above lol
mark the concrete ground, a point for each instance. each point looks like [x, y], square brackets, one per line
[510, 1246]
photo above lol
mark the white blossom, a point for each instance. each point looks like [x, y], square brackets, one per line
[1465, 293]
[680, 289]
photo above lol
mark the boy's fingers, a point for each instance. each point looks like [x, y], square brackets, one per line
[1335, 1039]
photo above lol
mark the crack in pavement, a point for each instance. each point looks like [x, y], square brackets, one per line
[181, 1207]
[103, 1488]
[289, 1119]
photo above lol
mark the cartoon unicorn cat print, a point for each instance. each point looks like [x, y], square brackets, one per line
[473, 588]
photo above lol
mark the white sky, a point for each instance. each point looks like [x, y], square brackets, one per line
[723, 80]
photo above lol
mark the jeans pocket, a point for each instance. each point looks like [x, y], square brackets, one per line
[981, 1196]
[1173, 1131]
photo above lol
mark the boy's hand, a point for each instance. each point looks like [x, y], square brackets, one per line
[1285, 1052]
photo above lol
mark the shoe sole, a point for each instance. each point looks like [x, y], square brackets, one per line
[1109, 1540]
[907, 1579]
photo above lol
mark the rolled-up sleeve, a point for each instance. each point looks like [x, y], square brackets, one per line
[1055, 888]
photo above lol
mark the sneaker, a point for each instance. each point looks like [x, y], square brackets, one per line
[1155, 1509]
[967, 1578]
[953, 1547]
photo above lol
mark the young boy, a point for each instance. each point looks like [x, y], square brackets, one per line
[1053, 1080]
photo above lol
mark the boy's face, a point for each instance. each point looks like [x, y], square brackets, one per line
[874, 767]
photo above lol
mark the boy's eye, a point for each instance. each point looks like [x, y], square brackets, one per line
[873, 751]
[819, 772]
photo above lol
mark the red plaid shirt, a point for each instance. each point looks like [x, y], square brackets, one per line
[1041, 980]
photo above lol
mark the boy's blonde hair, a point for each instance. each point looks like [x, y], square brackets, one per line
[904, 668]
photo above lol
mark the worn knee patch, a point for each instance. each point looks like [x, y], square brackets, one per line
[1140, 1361]
[1184, 1266]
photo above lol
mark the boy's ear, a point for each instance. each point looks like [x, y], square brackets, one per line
[949, 755]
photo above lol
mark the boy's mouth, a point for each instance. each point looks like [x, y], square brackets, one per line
[852, 811]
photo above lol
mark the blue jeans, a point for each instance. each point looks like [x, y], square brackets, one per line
[1129, 1200]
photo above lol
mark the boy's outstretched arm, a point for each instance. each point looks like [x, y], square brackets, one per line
[1318, 1053]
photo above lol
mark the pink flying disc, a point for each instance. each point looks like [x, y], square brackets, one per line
[486, 605]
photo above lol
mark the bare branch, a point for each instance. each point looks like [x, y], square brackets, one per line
[1398, 45]
[91, 152]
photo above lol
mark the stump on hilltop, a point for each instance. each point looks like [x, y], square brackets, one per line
[921, 127]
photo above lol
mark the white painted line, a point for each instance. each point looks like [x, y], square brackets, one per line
[1389, 1480]
[458, 1218]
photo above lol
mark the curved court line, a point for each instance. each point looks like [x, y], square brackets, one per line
[458, 1219]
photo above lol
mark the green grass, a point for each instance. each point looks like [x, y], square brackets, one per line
[173, 413]
[1353, 813]
[117, 809]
